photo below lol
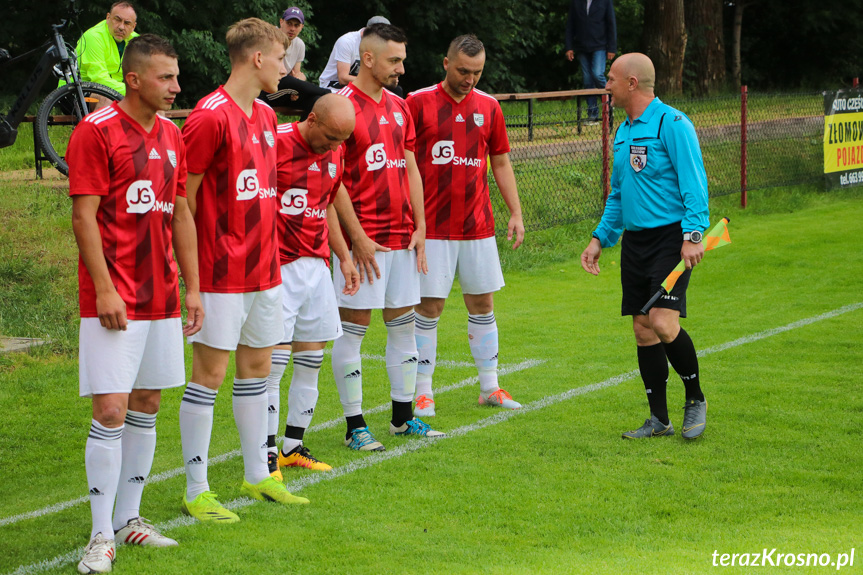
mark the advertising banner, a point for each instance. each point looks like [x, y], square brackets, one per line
[843, 138]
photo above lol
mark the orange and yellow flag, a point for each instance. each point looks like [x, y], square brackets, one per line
[715, 238]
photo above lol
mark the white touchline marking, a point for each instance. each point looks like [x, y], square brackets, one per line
[380, 457]
[171, 473]
[505, 370]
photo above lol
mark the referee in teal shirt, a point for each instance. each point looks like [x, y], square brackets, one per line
[659, 196]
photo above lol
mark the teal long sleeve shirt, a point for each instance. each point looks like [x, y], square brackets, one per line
[658, 176]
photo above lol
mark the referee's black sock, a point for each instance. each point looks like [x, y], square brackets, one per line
[354, 422]
[681, 354]
[654, 372]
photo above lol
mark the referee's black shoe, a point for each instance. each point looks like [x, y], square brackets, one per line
[694, 418]
[652, 428]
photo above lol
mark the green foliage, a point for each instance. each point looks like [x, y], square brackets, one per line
[783, 46]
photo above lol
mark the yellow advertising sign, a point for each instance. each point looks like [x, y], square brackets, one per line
[843, 142]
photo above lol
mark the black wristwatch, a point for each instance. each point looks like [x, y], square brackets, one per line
[694, 237]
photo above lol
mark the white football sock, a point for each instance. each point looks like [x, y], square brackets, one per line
[139, 447]
[279, 363]
[401, 357]
[303, 395]
[250, 415]
[426, 337]
[103, 457]
[347, 367]
[482, 334]
[196, 426]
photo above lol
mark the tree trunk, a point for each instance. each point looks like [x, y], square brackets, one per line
[738, 32]
[705, 55]
[665, 43]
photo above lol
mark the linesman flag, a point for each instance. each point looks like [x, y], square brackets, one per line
[715, 238]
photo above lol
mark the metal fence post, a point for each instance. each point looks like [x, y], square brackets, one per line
[606, 180]
[530, 120]
[743, 99]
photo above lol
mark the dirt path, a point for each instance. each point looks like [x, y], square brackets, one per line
[51, 178]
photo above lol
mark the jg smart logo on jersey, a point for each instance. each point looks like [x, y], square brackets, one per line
[638, 157]
[376, 158]
[140, 199]
[296, 202]
[247, 185]
[443, 152]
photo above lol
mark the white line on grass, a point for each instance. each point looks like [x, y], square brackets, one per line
[527, 364]
[171, 473]
[500, 416]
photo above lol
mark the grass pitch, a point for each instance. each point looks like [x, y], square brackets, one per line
[550, 489]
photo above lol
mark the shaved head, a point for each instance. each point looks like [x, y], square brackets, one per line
[640, 67]
[630, 82]
[330, 123]
[336, 111]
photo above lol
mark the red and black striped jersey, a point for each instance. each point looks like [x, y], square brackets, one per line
[138, 176]
[376, 174]
[454, 140]
[236, 202]
[307, 184]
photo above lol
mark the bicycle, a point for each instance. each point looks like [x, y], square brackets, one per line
[63, 108]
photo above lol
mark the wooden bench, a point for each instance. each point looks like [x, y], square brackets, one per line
[60, 120]
[531, 97]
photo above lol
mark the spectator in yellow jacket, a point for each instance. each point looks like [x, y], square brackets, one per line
[100, 49]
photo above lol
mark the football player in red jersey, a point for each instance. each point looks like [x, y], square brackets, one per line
[386, 229]
[231, 138]
[310, 175]
[127, 177]
[458, 127]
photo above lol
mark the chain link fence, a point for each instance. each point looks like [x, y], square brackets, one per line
[558, 160]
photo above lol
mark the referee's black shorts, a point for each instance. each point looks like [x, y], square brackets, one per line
[647, 257]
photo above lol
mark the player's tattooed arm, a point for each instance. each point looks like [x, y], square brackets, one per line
[363, 247]
[110, 307]
[504, 177]
[340, 247]
[185, 243]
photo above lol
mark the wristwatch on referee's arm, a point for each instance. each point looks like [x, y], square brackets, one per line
[694, 237]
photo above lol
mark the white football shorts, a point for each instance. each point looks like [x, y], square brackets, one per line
[309, 302]
[253, 319]
[148, 355]
[398, 286]
[475, 261]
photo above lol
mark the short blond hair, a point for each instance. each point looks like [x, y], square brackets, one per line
[252, 35]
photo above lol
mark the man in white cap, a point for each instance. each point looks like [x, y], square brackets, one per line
[344, 62]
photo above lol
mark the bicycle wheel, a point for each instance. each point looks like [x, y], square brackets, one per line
[60, 113]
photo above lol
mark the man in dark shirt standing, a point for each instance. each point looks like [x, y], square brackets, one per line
[591, 34]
